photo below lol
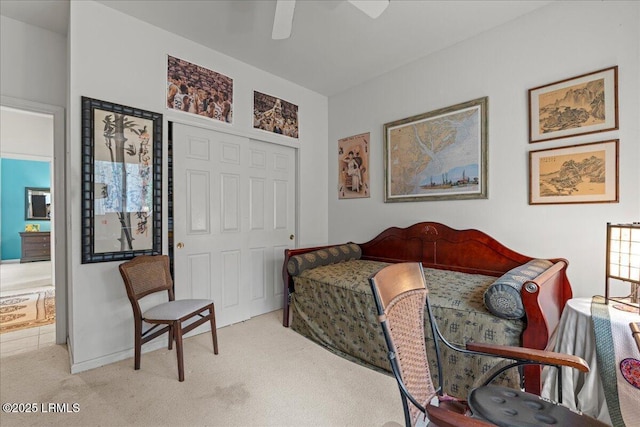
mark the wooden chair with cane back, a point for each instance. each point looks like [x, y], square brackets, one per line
[401, 299]
[148, 274]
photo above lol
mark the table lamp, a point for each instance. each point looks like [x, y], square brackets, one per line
[623, 261]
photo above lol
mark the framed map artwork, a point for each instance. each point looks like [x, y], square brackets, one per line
[576, 106]
[440, 155]
[353, 167]
[586, 173]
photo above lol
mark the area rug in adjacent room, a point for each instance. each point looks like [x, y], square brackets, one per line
[27, 310]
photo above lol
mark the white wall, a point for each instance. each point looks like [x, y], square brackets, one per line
[34, 63]
[33, 77]
[116, 58]
[558, 41]
[26, 135]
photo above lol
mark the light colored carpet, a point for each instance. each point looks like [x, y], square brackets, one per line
[27, 310]
[265, 375]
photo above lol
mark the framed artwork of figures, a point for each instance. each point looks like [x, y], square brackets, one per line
[193, 89]
[272, 114]
[353, 167]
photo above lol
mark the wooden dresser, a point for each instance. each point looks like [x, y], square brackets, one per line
[36, 246]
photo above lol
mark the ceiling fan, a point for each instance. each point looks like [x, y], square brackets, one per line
[284, 14]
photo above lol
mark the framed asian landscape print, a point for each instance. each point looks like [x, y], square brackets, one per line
[121, 182]
[439, 155]
[585, 173]
[576, 106]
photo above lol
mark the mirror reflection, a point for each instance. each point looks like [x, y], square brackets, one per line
[38, 203]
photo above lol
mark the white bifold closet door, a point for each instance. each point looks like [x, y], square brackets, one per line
[234, 214]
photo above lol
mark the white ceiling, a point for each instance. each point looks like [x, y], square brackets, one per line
[333, 45]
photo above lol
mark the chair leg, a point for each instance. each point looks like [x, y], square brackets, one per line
[137, 347]
[177, 326]
[214, 332]
[170, 337]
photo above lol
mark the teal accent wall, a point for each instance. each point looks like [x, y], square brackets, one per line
[15, 176]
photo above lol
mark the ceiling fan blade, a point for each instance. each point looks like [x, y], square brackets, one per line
[283, 19]
[373, 8]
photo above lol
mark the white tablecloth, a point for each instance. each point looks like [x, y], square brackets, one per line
[584, 391]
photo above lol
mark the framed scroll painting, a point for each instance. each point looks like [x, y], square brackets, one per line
[121, 182]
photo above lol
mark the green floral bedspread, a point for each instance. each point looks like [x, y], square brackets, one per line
[333, 306]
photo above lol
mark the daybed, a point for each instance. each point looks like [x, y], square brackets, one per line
[327, 293]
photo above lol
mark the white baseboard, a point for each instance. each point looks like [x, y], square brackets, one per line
[157, 343]
[114, 357]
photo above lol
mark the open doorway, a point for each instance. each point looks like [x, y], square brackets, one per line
[27, 292]
[32, 277]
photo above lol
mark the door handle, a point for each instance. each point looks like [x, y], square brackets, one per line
[180, 245]
[291, 237]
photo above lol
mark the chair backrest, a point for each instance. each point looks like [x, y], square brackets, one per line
[400, 294]
[146, 274]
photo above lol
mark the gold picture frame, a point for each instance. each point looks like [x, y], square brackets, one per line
[584, 173]
[576, 106]
[439, 155]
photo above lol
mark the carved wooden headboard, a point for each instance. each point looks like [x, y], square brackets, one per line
[439, 246]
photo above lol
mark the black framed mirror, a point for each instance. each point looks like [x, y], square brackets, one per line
[37, 203]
